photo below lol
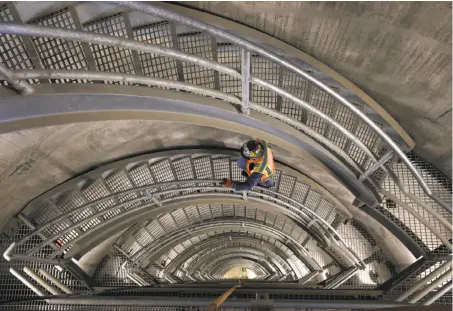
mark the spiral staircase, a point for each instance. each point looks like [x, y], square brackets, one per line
[361, 223]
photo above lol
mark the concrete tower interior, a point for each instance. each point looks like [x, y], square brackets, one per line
[121, 126]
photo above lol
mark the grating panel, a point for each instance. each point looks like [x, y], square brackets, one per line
[180, 218]
[230, 55]
[324, 208]
[95, 191]
[300, 192]
[111, 58]
[162, 171]
[70, 200]
[204, 211]
[198, 44]
[298, 87]
[221, 168]
[119, 181]
[87, 212]
[337, 138]
[217, 210]
[155, 65]
[13, 53]
[168, 223]
[58, 53]
[48, 211]
[313, 200]
[367, 135]
[355, 240]
[412, 223]
[143, 237]
[141, 175]
[203, 167]
[156, 229]
[344, 116]
[183, 168]
[109, 272]
[357, 155]
[287, 183]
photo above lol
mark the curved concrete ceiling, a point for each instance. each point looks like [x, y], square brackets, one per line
[398, 52]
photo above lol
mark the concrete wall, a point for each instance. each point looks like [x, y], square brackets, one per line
[398, 52]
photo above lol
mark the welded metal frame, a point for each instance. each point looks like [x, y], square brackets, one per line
[245, 44]
[297, 101]
[17, 81]
[30, 30]
[269, 194]
[338, 126]
[94, 175]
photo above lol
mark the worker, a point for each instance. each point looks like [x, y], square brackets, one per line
[257, 165]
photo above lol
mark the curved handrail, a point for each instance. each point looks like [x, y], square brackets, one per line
[302, 213]
[133, 78]
[218, 32]
[33, 30]
[70, 74]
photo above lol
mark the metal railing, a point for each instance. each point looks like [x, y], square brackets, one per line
[308, 215]
[363, 169]
[264, 195]
[16, 80]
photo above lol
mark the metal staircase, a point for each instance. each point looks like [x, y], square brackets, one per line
[169, 209]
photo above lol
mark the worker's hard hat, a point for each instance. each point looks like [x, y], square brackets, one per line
[252, 149]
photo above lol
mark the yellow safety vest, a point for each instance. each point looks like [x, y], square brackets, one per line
[264, 164]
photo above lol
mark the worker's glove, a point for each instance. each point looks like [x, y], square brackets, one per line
[227, 183]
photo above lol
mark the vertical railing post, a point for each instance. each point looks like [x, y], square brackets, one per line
[245, 67]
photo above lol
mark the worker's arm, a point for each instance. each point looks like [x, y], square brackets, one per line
[251, 182]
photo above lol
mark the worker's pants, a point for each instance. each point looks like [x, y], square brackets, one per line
[267, 184]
